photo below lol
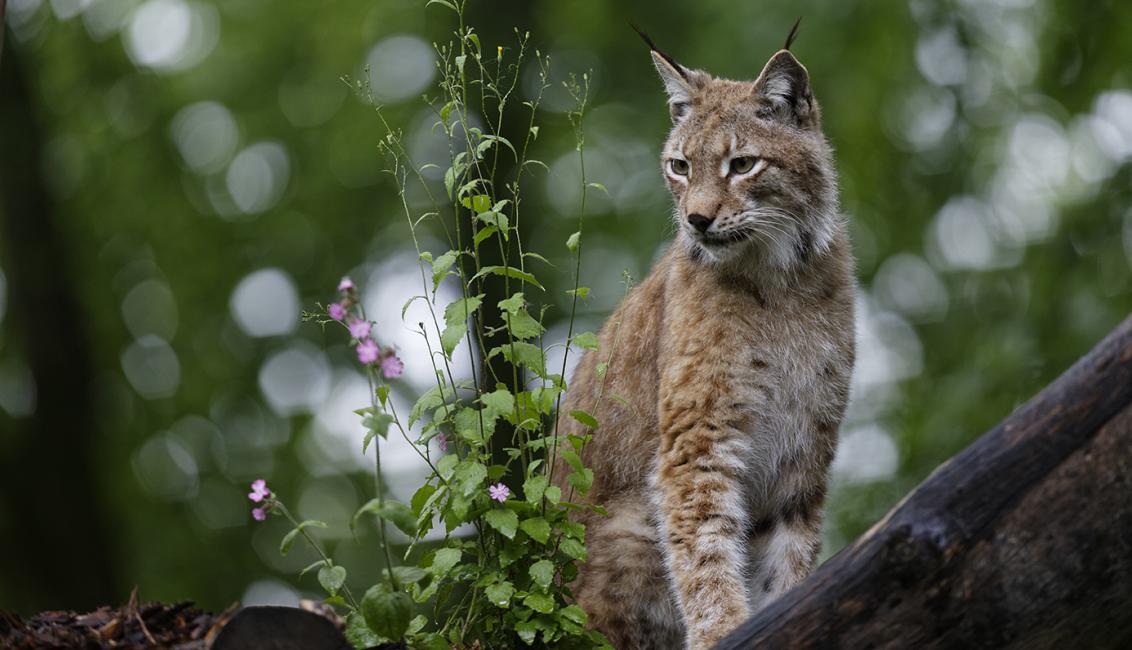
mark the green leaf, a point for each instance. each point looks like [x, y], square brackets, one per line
[450, 175]
[407, 574]
[512, 552]
[537, 528]
[444, 560]
[446, 466]
[417, 624]
[581, 480]
[553, 494]
[536, 256]
[421, 497]
[526, 631]
[482, 234]
[510, 272]
[534, 488]
[470, 475]
[522, 326]
[440, 267]
[542, 572]
[534, 129]
[474, 427]
[497, 219]
[499, 402]
[382, 395]
[433, 398]
[387, 612]
[581, 292]
[573, 548]
[311, 566]
[503, 520]
[587, 340]
[540, 163]
[512, 304]
[445, 110]
[504, 141]
[572, 242]
[410, 301]
[500, 593]
[525, 354]
[358, 633]
[289, 538]
[574, 613]
[571, 457]
[598, 186]
[573, 529]
[451, 337]
[395, 513]
[456, 320]
[331, 578]
[541, 603]
[480, 203]
[585, 418]
[376, 425]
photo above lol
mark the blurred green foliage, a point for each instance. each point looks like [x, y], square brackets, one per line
[983, 148]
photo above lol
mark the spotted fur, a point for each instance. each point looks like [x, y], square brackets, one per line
[733, 361]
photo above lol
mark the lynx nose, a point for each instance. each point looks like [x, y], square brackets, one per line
[699, 222]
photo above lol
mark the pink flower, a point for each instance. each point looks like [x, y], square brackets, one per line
[442, 442]
[259, 514]
[259, 491]
[499, 492]
[346, 284]
[367, 351]
[359, 329]
[336, 310]
[391, 366]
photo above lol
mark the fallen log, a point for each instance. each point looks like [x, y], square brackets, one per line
[1022, 540]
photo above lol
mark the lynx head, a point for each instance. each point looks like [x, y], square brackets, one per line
[748, 166]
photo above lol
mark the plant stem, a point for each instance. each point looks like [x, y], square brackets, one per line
[318, 549]
[576, 119]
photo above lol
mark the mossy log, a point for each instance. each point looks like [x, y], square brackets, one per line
[1022, 540]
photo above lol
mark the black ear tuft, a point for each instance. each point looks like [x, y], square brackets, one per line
[652, 47]
[793, 34]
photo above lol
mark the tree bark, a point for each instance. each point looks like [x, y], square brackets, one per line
[1023, 540]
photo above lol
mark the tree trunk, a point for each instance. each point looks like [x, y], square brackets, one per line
[54, 528]
[1023, 540]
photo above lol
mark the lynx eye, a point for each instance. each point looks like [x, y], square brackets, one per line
[742, 164]
[678, 166]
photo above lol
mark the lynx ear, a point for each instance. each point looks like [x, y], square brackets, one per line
[784, 87]
[680, 83]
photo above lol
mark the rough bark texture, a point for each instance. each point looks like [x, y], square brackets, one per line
[1023, 540]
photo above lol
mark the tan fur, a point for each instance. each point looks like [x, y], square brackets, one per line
[733, 358]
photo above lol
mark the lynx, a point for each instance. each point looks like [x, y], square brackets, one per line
[731, 366]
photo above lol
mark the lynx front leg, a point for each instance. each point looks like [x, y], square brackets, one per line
[785, 548]
[702, 521]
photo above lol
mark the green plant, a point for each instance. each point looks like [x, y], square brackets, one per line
[508, 584]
